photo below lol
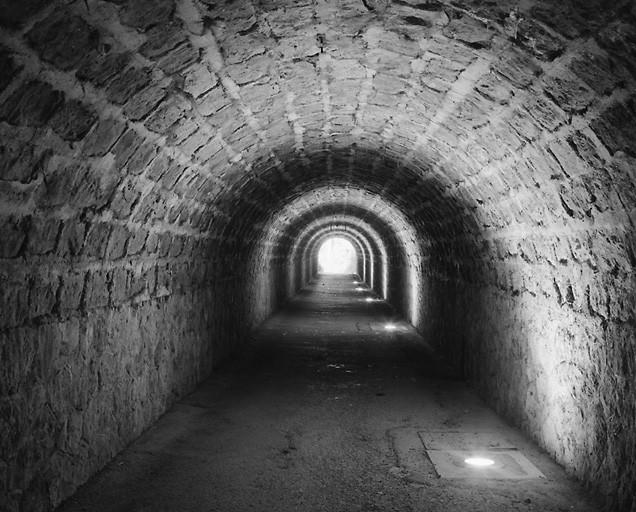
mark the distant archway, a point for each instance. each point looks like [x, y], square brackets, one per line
[337, 256]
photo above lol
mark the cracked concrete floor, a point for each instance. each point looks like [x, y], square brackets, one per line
[325, 412]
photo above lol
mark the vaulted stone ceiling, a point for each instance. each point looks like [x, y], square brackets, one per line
[152, 151]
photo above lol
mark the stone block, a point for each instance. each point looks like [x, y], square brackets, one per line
[163, 38]
[118, 239]
[151, 242]
[585, 149]
[125, 147]
[73, 120]
[14, 297]
[124, 200]
[159, 166]
[141, 104]
[182, 130]
[598, 72]
[136, 242]
[63, 39]
[178, 59]
[616, 127]
[97, 240]
[213, 101]
[126, 84]
[257, 68]
[96, 292]
[20, 160]
[71, 290]
[618, 38]
[168, 112]
[42, 295]
[13, 233]
[165, 240]
[144, 14]
[518, 68]
[43, 234]
[569, 94]
[141, 158]
[99, 67]
[120, 285]
[538, 41]
[469, 31]
[101, 139]
[172, 175]
[199, 80]
[71, 238]
[32, 104]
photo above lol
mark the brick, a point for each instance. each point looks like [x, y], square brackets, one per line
[136, 242]
[43, 235]
[125, 147]
[19, 159]
[116, 248]
[178, 59]
[144, 14]
[124, 200]
[13, 232]
[71, 290]
[539, 42]
[162, 39]
[63, 39]
[141, 158]
[99, 68]
[616, 127]
[71, 238]
[101, 139]
[199, 80]
[126, 84]
[97, 240]
[517, 67]
[73, 120]
[42, 295]
[469, 31]
[570, 95]
[96, 293]
[170, 110]
[144, 102]
[31, 105]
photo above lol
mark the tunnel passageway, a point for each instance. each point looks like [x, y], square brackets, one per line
[327, 410]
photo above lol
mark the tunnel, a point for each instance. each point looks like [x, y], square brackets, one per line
[170, 168]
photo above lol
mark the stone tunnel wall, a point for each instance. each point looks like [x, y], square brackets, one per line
[111, 304]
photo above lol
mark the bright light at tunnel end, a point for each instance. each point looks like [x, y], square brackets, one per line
[479, 462]
[337, 256]
[390, 327]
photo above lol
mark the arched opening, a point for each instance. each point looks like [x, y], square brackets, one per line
[337, 256]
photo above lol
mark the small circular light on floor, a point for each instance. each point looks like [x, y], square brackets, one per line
[479, 462]
[390, 327]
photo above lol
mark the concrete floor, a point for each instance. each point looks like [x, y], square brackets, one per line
[328, 411]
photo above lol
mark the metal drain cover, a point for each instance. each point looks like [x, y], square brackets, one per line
[449, 451]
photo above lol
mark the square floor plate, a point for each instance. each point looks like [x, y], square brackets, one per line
[448, 452]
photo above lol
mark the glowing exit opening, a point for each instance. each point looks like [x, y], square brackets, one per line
[337, 256]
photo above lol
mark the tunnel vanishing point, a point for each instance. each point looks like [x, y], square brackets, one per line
[168, 169]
